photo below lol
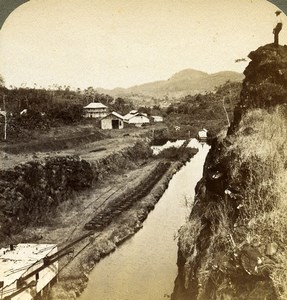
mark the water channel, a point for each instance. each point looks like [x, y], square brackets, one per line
[144, 267]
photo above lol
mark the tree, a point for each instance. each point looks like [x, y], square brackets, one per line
[1, 81]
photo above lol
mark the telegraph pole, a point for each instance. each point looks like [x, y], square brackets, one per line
[4, 113]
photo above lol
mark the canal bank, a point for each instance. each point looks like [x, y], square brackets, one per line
[145, 267]
[66, 223]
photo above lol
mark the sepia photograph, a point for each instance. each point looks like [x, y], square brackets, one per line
[143, 149]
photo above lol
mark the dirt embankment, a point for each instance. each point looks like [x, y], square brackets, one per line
[32, 191]
[234, 245]
[56, 139]
[51, 200]
[113, 221]
[74, 277]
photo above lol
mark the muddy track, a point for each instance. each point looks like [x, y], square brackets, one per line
[126, 221]
[127, 199]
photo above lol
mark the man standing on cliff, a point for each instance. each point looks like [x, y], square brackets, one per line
[278, 27]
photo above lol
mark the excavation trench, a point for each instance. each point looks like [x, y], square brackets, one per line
[144, 267]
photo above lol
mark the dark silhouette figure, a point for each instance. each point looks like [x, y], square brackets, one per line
[277, 28]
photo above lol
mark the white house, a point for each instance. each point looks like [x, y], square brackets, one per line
[202, 135]
[112, 121]
[95, 110]
[23, 273]
[136, 118]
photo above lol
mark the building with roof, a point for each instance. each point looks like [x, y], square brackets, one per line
[202, 135]
[157, 119]
[136, 118]
[95, 110]
[112, 121]
[25, 270]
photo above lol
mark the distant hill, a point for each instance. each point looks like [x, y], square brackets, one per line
[185, 82]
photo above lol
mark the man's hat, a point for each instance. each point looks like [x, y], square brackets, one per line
[278, 12]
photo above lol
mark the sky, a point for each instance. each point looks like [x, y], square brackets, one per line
[121, 43]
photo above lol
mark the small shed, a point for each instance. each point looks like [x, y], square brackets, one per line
[157, 119]
[202, 135]
[95, 110]
[112, 121]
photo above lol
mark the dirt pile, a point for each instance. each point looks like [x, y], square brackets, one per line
[233, 246]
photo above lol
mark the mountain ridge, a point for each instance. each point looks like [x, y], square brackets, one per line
[182, 83]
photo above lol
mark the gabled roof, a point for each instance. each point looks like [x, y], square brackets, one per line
[96, 105]
[114, 114]
[117, 115]
[132, 114]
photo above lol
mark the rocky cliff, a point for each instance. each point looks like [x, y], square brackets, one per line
[233, 246]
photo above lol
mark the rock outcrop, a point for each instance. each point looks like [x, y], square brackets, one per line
[265, 80]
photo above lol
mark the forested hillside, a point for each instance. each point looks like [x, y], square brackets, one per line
[212, 111]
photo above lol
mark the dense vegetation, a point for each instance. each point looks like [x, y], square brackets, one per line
[212, 111]
[47, 108]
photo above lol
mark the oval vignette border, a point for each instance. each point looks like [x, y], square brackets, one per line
[7, 6]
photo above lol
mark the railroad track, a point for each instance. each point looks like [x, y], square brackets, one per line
[127, 199]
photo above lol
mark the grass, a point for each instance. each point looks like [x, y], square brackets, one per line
[257, 159]
[187, 243]
[261, 155]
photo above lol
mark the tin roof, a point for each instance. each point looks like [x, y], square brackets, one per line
[96, 105]
[114, 114]
[14, 263]
[117, 115]
[131, 115]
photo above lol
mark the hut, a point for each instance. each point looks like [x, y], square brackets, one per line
[112, 121]
[157, 119]
[202, 135]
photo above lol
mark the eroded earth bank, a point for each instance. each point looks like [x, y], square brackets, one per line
[234, 245]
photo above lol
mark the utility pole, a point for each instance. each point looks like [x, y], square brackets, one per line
[4, 113]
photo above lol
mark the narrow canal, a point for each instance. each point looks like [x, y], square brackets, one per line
[144, 267]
